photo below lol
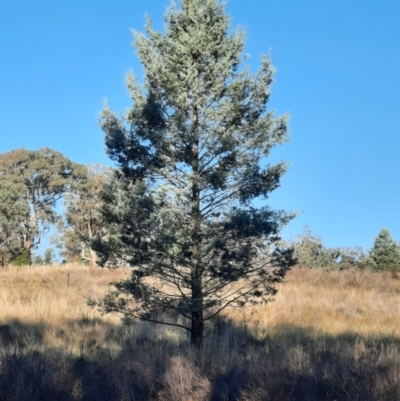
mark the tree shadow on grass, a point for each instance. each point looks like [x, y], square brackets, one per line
[145, 363]
[15, 333]
[122, 368]
[299, 364]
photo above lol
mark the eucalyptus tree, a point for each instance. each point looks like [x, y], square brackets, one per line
[43, 177]
[82, 216]
[14, 212]
[309, 251]
[192, 155]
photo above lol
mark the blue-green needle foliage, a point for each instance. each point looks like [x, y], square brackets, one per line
[192, 156]
[385, 253]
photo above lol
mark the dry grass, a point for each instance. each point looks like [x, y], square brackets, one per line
[328, 336]
[54, 297]
[333, 302]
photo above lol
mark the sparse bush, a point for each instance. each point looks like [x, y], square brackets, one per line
[353, 258]
[48, 256]
[38, 260]
[310, 252]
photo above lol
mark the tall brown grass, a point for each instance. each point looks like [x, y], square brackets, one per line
[327, 336]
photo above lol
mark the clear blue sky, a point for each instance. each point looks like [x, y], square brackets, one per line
[338, 75]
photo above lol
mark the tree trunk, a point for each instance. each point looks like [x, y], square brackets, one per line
[197, 328]
[31, 232]
[196, 338]
[196, 276]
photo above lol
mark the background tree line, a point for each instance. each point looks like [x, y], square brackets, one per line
[32, 182]
[310, 252]
[44, 189]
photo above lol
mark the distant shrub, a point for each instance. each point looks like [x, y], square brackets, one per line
[353, 258]
[23, 259]
[38, 260]
[310, 252]
[48, 256]
[385, 253]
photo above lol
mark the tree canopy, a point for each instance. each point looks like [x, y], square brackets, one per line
[310, 252]
[14, 215]
[41, 178]
[82, 216]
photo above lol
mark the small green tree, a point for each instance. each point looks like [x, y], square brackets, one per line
[385, 253]
[192, 154]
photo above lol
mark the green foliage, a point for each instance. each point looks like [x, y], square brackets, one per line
[48, 256]
[23, 259]
[82, 217]
[385, 253]
[38, 260]
[42, 178]
[68, 243]
[353, 258]
[14, 211]
[310, 252]
[192, 155]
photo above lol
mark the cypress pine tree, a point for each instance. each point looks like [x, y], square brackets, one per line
[386, 252]
[192, 156]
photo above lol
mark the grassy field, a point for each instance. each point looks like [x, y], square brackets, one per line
[327, 336]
